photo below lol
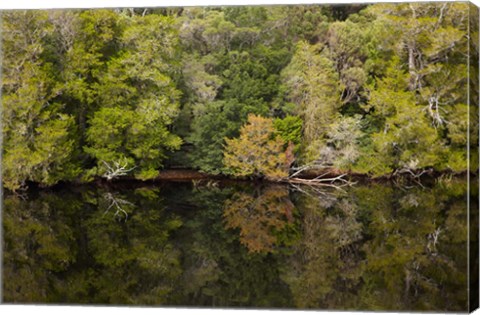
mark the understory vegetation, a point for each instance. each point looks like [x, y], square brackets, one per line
[244, 91]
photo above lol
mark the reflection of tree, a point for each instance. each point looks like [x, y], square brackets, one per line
[259, 218]
[381, 248]
[344, 227]
[38, 242]
[219, 270]
[135, 262]
[376, 247]
[323, 270]
[58, 250]
[413, 261]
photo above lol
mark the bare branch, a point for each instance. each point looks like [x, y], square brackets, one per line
[434, 111]
[319, 181]
[116, 170]
[440, 18]
[433, 240]
[301, 170]
[336, 182]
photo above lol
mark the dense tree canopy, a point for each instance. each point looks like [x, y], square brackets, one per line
[375, 89]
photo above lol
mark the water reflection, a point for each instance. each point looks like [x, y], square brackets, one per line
[261, 217]
[372, 247]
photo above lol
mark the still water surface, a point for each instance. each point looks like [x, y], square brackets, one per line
[373, 246]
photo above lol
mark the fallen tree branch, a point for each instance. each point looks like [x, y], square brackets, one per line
[321, 180]
[335, 182]
[300, 170]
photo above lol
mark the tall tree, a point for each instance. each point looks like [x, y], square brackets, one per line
[137, 99]
[38, 133]
[257, 152]
[313, 85]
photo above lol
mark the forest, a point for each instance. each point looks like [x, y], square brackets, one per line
[241, 91]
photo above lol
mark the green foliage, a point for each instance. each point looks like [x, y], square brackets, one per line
[214, 121]
[371, 89]
[128, 136]
[289, 129]
[314, 87]
[402, 144]
[137, 99]
[300, 22]
[348, 47]
[38, 133]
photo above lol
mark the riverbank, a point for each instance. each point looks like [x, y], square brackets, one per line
[200, 178]
[191, 174]
[348, 178]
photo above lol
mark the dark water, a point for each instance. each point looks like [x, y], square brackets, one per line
[370, 247]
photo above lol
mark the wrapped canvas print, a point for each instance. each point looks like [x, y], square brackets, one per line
[303, 156]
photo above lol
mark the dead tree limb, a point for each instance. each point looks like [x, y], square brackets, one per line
[335, 182]
[320, 181]
[116, 170]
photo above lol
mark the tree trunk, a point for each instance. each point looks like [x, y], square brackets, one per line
[411, 67]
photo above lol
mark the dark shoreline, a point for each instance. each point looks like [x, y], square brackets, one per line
[199, 178]
[195, 175]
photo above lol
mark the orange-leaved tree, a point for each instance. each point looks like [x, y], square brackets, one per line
[257, 152]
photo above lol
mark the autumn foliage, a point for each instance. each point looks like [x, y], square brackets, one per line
[257, 152]
[260, 218]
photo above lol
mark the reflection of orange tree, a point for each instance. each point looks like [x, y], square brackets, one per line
[259, 218]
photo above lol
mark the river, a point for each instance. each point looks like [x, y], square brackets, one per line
[372, 246]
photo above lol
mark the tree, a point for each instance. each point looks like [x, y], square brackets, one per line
[289, 129]
[432, 44]
[294, 23]
[348, 48]
[137, 99]
[38, 133]
[403, 143]
[213, 122]
[257, 152]
[88, 40]
[343, 143]
[313, 85]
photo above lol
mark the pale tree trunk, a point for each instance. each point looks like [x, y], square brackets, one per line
[411, 67]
